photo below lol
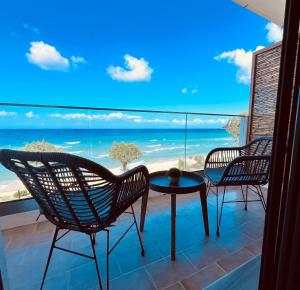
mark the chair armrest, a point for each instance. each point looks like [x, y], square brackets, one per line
[221, 157]
[138, 169]
[133, 184]
[248, 169]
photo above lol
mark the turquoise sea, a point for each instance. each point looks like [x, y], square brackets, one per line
[156, 144]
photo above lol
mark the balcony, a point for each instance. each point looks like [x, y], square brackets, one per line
[176, 139]
[163, 139]
[200, 260]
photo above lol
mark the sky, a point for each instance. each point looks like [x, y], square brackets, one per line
[157, 55]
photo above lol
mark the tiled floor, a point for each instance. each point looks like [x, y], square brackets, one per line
[200, 260]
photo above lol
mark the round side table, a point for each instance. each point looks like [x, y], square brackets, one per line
[189, 182]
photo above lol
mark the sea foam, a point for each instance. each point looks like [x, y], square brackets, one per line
[72, 142]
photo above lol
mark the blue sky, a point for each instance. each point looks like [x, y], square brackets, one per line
[172, 55]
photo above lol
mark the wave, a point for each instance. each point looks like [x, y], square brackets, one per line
[72, 142]
[220, 139]
[153, 140]
[170, 148]
[194, 145]
[153, 146]
[101, 156]
[164, 149]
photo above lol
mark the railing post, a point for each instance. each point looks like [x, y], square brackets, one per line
[91, 137]
[243, 130]
[185, 137]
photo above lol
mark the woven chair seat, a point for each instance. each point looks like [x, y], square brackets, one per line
[215, 174]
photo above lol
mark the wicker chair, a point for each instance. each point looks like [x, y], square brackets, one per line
[239, 166]
[76, 194]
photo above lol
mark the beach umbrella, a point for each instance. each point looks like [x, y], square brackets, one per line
[272, 10]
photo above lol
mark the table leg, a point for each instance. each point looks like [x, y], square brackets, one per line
[143, 210]
[173, 227]
[203, 198]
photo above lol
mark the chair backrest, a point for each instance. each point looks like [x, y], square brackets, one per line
[73, 192]
[258, 147]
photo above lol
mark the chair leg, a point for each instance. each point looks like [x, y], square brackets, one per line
[96, 262]
[138, 232]
[217, 197]
[38, 217]
[261, 196]
[93, 236]
[244, 198]
[219, 222]
[49, 256]
[107, 260]
[208, 188]
[143, 210]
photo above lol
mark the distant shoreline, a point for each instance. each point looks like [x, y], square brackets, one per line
[7, 190]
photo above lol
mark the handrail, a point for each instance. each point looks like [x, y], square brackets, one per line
[115, 109]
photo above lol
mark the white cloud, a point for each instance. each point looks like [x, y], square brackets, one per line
[242, 59]
[46, 57]
[184, 90]
[119, 115]
[198, 121]
[83, 116]
[275, 32]
[77, 60]
[189, 90]
[31, 115]
[156, 120]
[7, 114]
[138, 119]
[30, 28]
[136, 70]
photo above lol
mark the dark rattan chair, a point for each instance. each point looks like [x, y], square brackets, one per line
[76, 194]
[239, 166]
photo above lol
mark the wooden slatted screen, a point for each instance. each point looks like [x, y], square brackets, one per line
[264, 85]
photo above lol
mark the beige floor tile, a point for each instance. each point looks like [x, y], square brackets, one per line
[233, 260]
[203, 278]
[165, 272]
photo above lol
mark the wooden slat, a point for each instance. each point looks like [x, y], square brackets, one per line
[265, 77]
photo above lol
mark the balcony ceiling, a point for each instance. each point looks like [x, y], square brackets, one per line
[272, 10]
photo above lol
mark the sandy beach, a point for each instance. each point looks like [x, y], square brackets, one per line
[7, 190]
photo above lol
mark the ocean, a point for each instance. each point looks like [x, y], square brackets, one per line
[155, 144]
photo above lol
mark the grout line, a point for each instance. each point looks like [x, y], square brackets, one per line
[150, 278]
[232, 253]
[188, 259]
[180, 283]
[119, 265]
[220, 267]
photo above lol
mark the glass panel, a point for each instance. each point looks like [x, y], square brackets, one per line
[118, 140]
[39, 129]
[205, 133]
[157, 140]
